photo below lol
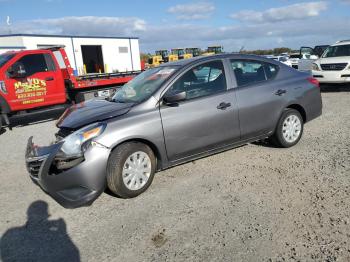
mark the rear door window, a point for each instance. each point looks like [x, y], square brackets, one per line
[249, 72]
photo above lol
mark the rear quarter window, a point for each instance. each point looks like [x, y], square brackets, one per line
[271, 71]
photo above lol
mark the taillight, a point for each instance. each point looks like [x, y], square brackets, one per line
[313, 81]
[3, 87]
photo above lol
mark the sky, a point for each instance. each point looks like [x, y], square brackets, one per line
[234, 24]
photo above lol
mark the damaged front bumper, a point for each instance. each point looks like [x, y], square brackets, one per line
[71, 182]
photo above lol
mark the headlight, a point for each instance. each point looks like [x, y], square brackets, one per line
[72, 146]
[315, 67]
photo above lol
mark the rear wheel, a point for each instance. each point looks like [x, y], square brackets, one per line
[289, 129]
[131, 168]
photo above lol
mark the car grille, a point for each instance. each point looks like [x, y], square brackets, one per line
[34, 165]
[333, 67]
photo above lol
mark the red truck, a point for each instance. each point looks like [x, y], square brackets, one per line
[35, 80]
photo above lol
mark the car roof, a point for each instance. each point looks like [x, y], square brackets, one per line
[344, 42]
[184, 62]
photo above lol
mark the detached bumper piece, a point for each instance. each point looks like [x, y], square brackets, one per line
[71, 182]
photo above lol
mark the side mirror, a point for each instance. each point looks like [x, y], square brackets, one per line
[314, 57]
[171, 98]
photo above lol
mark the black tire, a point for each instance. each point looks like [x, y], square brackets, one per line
[278, 138]
[115, 166]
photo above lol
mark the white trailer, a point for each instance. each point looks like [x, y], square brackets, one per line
[89, 54]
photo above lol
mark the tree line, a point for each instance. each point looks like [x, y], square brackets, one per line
[274, 51]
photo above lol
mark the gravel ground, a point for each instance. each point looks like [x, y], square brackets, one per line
[253, 203]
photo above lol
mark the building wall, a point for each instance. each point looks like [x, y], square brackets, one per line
[112, 57]
[10, 44]
[135, 54]
[40, 42]
[11, 41]
[119, 55]
[6, 49]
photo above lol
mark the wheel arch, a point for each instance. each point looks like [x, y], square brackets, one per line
[4, 106]
[300, 109]
[153, 147]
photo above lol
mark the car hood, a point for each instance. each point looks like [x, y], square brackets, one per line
[91, 111]
[334, 60]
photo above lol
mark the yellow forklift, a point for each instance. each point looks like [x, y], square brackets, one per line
[164, 54]
[194, 51]
[180, 53]
[168, 57]
[213, 50]
[161, 56]
[155, 61]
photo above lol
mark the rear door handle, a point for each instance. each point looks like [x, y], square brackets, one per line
[49, 78]
[223, 105]
[280, 92]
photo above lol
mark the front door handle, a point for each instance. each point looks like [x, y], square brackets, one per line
[280, 92]
[50, 78]
[223, 105]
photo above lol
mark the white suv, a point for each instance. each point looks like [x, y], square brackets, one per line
[294, 59]
[334, 65]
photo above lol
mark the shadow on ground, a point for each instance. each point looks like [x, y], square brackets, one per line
[327, 88]
[264, 143]
[39, 239]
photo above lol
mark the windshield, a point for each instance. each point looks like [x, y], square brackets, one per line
[144, 85]
[4, 58]
[336, 51]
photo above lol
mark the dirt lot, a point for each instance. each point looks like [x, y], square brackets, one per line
[254, 203]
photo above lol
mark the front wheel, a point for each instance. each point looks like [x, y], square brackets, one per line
[131, 168]
[289, 129]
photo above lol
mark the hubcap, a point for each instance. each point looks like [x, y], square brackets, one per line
[136, 170]
[291, 128]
